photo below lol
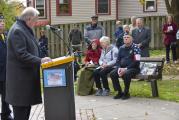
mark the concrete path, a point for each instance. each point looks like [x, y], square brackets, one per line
[106, 108]
[171, 77]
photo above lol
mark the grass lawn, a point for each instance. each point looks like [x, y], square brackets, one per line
[157, 53]
[168, 89]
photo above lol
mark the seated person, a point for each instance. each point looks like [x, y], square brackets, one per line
[127, 67]
[107, 60]
[93, 54]
[85, 82]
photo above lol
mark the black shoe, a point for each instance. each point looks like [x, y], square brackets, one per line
[141, 80]
[7, 117]
[118, 96]
[125, 96]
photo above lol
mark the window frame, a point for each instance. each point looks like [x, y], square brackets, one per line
[109, 8]
[45, 9]
[155, 6]
[58, 10]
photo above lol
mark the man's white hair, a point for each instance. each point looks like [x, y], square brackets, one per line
[105, 39]
[125, 26]
[140, 19]
[133, 18]
[28, 12]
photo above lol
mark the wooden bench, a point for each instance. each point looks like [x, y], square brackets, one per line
[156, 74]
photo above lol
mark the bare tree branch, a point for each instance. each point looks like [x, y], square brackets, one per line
[168, 6]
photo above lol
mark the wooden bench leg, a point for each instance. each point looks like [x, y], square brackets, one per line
[154, 88]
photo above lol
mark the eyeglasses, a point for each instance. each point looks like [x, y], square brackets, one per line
[2, 20]
[126, 37]
[34, 19]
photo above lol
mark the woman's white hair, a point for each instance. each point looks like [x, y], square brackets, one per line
[125, 26]
[105, 39]
[28, 12]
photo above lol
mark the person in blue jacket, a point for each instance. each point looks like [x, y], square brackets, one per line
[119, 32]
[43, 44]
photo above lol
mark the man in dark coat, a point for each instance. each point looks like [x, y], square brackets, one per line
[127, 67]
[23, 65]
[93, 31]
[142, 37]
[5, 111]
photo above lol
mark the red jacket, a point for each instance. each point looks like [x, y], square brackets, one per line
[169, 36]
[93, 55]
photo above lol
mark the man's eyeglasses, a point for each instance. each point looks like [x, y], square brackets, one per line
[2, 20]
[126, 37]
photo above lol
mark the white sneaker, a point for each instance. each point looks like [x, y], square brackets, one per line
[167, 62]
[175, 62]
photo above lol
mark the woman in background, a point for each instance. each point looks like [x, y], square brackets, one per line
[170, 30]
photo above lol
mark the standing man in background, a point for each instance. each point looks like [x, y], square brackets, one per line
[93, 31]
[75, 41]
[132, 26]
[23, 65]
[5, 111]
[142, 37]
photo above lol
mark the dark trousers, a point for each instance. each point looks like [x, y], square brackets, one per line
[102, 73]
[130, 73]
[21, 112]
[173, 48]
[5, 110]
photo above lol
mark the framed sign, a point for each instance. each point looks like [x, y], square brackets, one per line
[54, 77]
[150, 6]
[148, 68]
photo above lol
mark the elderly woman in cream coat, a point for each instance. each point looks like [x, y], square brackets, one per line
[107, 60]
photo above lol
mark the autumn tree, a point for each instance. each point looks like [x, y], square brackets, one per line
[173, 8]
[8, 11]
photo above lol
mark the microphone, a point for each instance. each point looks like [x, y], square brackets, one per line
[49, 27]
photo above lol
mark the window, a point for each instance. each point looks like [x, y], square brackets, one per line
[41, 7]
[63, 7]
[103, 7]
[150, 6]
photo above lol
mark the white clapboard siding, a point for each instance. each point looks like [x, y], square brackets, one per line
[128, 8]
[82, 10]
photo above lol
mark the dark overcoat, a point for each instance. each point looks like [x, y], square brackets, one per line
[23, 66]
[3, 53]
[143, 37]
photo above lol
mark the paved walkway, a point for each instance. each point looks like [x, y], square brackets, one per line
[171, 77]
[106, 108]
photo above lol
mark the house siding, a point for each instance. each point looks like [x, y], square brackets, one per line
[128, 8]
[82, 10]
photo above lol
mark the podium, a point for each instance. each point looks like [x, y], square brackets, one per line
[59, 103]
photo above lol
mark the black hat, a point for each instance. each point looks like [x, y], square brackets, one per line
[1, 16]
[94, 17]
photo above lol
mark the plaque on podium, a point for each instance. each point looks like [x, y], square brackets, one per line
[58, 87]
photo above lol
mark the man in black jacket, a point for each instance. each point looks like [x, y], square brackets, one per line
[23, 88]
[142, 37]
[127, 66]
[5, 111]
